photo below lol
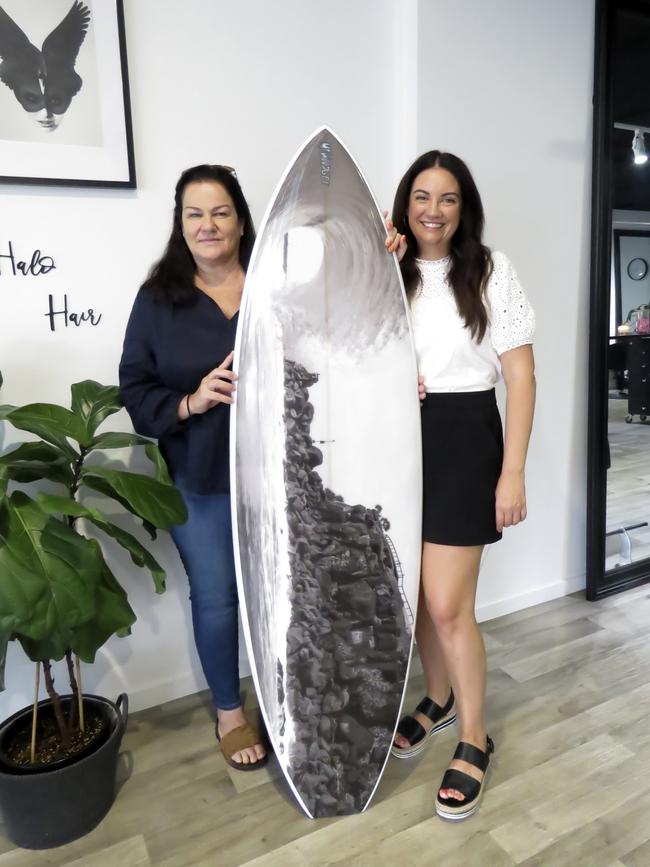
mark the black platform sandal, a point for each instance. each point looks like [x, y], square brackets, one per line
[452, 808]
[416, 734]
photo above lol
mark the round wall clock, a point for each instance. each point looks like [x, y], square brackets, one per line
[637, 268]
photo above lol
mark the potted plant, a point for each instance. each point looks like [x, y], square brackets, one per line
[60, 600]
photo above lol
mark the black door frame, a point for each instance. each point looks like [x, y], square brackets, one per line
[600, 583]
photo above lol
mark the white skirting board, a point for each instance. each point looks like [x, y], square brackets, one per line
[510, 604]
[192, 682]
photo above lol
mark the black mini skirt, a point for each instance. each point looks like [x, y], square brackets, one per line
[462, 450]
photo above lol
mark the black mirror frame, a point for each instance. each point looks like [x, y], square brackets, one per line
[600, 583]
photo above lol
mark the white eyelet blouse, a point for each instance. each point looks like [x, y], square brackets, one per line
[448, 357]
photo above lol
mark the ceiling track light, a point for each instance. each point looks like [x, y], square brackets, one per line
[638, 140]
[638, 148]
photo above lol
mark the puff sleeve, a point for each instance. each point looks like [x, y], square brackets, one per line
[512, 318]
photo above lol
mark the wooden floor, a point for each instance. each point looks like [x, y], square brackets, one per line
[569, 710]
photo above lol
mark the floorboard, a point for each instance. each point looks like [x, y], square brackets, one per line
[569, 710]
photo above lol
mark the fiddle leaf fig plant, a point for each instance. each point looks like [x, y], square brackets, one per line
[58, 595]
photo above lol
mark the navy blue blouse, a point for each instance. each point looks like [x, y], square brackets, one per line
[168, 349]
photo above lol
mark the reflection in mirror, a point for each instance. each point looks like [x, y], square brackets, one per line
[628, 357]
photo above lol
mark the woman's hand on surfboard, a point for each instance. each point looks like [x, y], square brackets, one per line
[421, 390]
[218, 386]
[395, 243]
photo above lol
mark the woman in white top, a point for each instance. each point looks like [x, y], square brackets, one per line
[472, 324]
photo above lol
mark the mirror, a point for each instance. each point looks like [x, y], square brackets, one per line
[618, 543]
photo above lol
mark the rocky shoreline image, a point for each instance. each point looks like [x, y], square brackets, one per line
[349, 632]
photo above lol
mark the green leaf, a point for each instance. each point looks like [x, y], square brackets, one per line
[31, 461]
[162, 473]
[48, 573]
[38, 451]
[118, 441]
[139, 554]
[8, 618]
[93, 402]
[51, 647]
[30, 471]
[4, 642]
[5, 409]
[148, 498]
[113, 615]
[54, 505]
[99, 484]
[51, 423]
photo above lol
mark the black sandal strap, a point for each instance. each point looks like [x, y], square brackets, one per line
[432, 710]
[428, 707]
[473, 756]
[411, 729]
[450, 702]
[463, 783]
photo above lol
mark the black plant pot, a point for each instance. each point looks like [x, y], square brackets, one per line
[56, 805]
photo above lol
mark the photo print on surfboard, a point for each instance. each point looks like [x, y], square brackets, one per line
[326, 480]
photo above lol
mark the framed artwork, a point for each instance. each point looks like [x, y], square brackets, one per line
[65, 115]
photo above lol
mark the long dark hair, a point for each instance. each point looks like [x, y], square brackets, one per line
[171, 279]
[471, 260]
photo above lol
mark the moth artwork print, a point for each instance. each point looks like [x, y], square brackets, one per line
[64, 102]
[44, 82]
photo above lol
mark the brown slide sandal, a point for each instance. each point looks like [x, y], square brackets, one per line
[241, 738]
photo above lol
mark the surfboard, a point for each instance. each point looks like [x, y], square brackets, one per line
[326, 480]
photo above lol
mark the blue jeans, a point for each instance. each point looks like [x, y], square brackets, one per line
[205, 546]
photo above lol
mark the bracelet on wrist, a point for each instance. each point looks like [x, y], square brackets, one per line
[187, 406]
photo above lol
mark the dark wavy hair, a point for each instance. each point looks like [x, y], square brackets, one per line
[171, 279]
[471, 260]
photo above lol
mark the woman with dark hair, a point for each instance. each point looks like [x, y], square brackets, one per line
[176, 384]
[472, 324]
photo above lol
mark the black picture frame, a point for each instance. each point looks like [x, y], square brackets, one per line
[601, 583]
[115, 162]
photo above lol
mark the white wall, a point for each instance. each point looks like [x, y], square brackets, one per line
[242, 84]
[505, 84]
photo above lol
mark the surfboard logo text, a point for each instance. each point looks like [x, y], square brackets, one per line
[325, 163]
